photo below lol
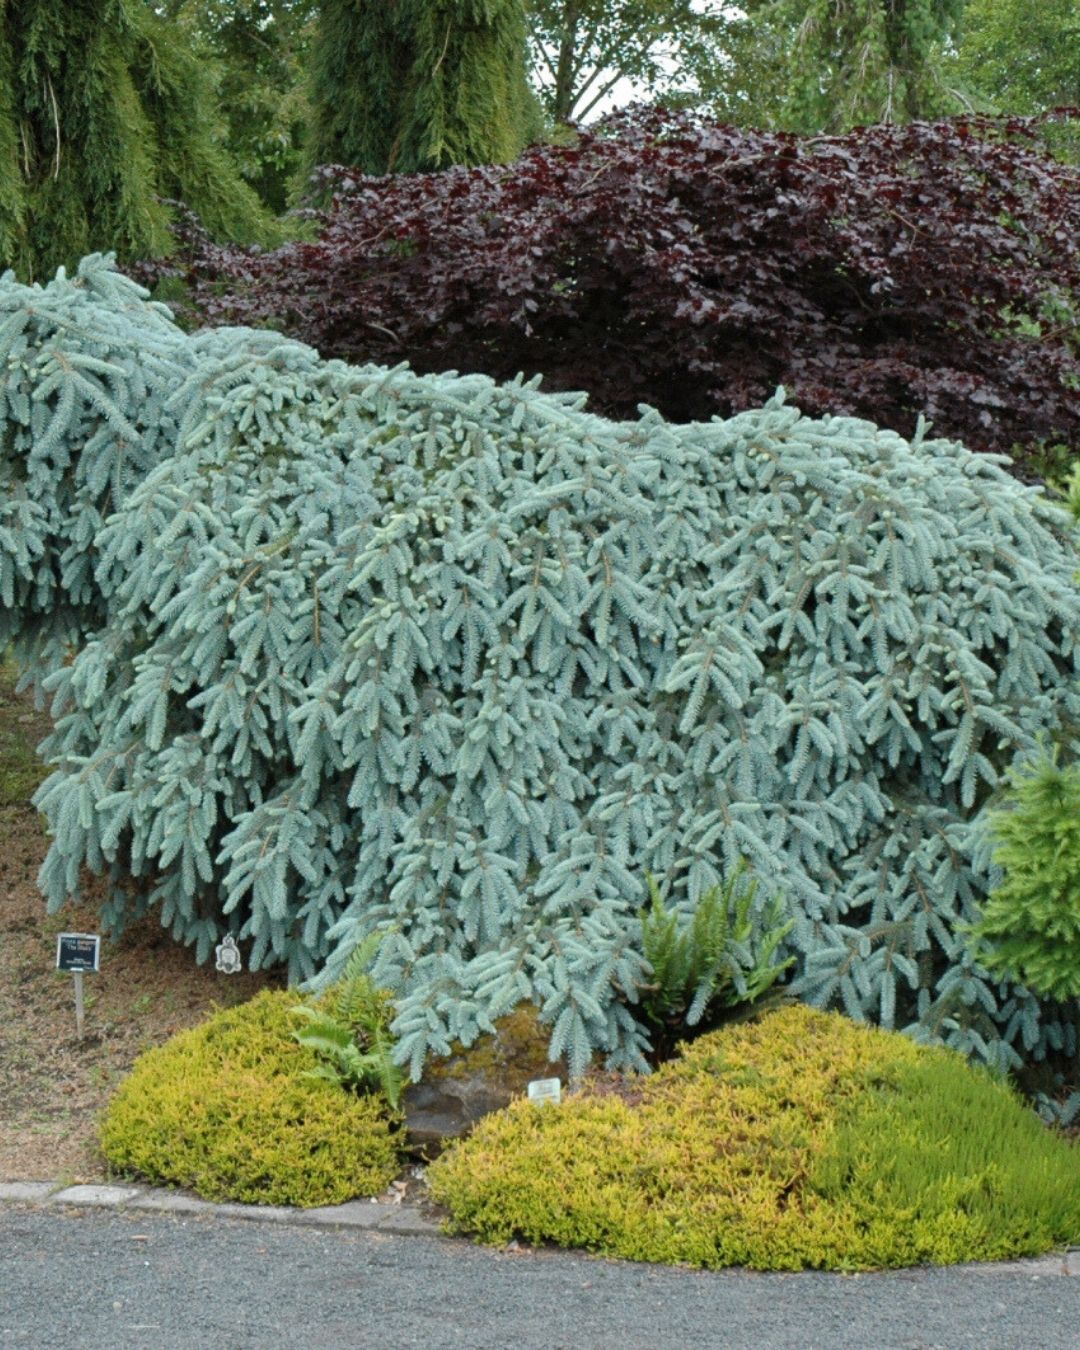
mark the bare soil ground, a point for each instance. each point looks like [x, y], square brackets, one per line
[52, 1085]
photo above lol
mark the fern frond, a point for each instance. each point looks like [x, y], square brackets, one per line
[724, 956]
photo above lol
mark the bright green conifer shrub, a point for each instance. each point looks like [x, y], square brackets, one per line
[861, 1150]
[228, 1110]
[465, 662]
[1029, 927]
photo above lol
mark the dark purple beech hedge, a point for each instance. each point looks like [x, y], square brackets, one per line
[931, 268]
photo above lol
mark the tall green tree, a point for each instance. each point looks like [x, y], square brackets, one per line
[803, 65]
[583, 49]
[257, 51]
[415, 85]
[849, 62]
[1021, 55]
[104, 110]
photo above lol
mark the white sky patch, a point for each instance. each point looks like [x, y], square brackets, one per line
[626, 91]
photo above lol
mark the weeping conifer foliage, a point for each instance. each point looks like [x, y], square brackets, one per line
[103, 112]
[417, 85]
[461, 663]
[860, 61]
[12, 203]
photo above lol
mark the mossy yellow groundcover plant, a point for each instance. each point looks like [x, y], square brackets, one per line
[228, 1110]
[797, 1140]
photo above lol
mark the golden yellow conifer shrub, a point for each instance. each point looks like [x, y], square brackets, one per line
[801, 1139]
[227, 1110]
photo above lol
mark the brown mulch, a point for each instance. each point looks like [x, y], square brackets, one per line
[52, 1085]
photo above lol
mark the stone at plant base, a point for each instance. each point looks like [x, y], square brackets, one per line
[458, 1091]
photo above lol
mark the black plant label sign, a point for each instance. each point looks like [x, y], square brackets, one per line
[78, 951]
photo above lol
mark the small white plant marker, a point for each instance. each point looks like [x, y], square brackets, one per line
[227, 957]
[545, 1090]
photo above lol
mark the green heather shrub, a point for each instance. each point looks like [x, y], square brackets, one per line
[797, 1140]
[462, 661]
[1029, 928]
[229, 1110]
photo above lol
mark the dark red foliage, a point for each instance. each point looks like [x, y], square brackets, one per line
[695, 267]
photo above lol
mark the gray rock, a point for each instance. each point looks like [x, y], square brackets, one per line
[438, 1112]
[474, 1081]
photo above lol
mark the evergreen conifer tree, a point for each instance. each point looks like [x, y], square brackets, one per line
[855, 61]
[103, 111]
[362, 651]
[418, 85]
[12, 204]
[89, 363]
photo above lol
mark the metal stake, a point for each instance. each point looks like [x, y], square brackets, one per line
[79, 1002]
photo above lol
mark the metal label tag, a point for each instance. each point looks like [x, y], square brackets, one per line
[543, 1090]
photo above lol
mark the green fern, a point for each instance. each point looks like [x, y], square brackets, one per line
[725, 955]
[358, 1001]
[354, 1040]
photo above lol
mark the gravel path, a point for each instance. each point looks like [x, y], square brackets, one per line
[99, 1278]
